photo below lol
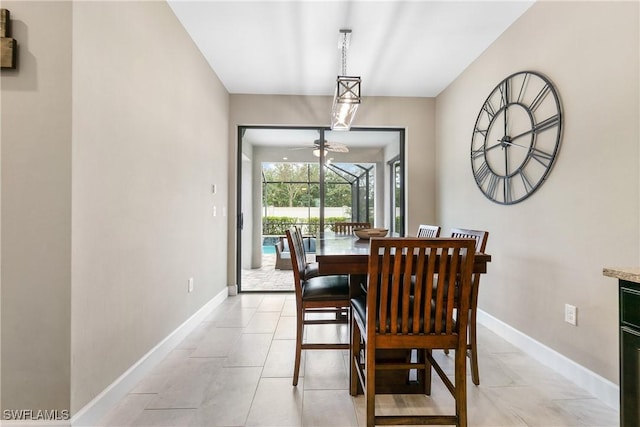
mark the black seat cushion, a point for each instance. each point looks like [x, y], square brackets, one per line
[326, 288]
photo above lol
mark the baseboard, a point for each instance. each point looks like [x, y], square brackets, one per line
[600, 387]
[98, 407]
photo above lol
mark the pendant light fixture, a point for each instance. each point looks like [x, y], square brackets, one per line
[347, 96]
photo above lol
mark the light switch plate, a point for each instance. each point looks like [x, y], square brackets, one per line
[571, 314]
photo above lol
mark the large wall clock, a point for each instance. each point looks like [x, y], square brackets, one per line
[516, 137]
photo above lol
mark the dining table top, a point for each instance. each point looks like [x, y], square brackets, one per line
[329, 243]
[347, 254]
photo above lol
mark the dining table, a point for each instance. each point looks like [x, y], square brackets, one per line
[347, 254]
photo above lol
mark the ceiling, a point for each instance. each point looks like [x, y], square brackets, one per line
[398, 48]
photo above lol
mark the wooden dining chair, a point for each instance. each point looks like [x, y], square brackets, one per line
[390, 316]
[316, 295]
[425, 230]
[480, 238]
[348, 227]
[310, 268]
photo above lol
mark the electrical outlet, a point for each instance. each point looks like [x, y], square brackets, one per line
[571, 314]
[190, 285]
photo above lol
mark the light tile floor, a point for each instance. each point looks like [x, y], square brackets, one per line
[235, 369]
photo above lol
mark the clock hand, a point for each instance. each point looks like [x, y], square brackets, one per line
[513, 143]
[506, 161]
[506, 108]
[505, 100]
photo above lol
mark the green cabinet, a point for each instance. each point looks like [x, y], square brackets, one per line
[629, 354]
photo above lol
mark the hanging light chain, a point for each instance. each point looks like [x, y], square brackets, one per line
[344, 54]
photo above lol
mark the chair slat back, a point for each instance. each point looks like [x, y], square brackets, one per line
[426, 307]
[296, 248]
[479, 236]
[348, 227]
[425, 230]
[299, 236]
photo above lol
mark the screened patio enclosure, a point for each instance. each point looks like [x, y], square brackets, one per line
[291, 196]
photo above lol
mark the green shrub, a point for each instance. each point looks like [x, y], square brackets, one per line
[277, 225]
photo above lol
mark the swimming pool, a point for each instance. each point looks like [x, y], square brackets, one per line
[270, 249]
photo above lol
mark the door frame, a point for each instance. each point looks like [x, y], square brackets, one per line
[241, 129]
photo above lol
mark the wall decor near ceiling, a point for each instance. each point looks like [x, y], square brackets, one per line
[8, 46]
[516, 137]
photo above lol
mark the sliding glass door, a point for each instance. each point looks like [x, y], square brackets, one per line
[312, 178]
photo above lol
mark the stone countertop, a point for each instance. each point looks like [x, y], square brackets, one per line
[631, 274]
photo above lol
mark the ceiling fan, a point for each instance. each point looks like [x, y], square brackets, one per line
[335, 147]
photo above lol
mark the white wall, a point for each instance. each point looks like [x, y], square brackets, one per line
[149, 132]
[114, 129]
[550, 249]
[303, 213]
[36, 209]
